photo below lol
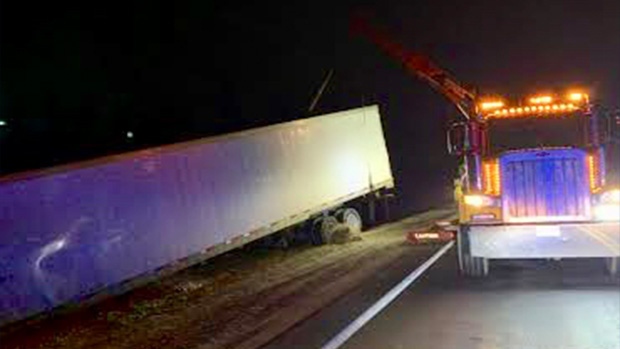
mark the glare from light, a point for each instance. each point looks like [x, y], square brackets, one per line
[2, 123]
[477, 200]
[541, 100]
[129, 134]
[611, 196]
[607, 212]
[577, 96]
[491, 105]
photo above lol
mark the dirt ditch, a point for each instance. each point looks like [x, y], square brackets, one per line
[242, 299]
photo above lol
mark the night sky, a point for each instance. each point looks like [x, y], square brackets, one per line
[76, 79]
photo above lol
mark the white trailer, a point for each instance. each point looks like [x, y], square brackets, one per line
[70, 232]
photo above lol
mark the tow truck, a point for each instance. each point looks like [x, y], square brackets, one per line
[532, 181]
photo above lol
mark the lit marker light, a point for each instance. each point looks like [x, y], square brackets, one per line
[545, 110]
[541, 100]
[491, 105]
[492, 182]
[593, 173]
[577, 96]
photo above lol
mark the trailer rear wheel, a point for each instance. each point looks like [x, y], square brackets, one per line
[351, 218]
[322, 230]
[327, 228]
[611, 264]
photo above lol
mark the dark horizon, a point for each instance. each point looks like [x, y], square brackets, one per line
[76, 80]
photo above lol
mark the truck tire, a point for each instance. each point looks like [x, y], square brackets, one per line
[611, 265]
[322, 229]
[469, 265]
[327, 227]
[475, 266]
[351, 218]
[314, 232]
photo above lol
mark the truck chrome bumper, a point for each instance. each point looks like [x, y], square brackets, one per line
[567, 240]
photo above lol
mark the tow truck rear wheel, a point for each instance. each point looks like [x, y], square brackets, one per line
[469, 265]
[611, 264]
[475, 266]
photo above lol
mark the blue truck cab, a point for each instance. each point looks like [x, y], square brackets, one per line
[533, 185]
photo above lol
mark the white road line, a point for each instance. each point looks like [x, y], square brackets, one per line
[348, 332]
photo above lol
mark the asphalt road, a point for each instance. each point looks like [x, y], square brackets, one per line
[522, 304]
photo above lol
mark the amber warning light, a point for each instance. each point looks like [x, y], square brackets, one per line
[541, 100]
[491, 105]
[542, 110]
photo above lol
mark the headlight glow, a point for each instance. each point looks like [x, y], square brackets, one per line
[607, 212]
[611, 197]
[478, 200]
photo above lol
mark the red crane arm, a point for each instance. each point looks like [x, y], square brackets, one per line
[419, 66]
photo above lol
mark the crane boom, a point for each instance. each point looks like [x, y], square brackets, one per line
[420, 66]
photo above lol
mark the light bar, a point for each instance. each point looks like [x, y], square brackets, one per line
[541, 100]
[489, 105]
[543, 110]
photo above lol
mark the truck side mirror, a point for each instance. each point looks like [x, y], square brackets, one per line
[456, 138]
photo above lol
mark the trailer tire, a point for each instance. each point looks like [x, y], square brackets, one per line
[322, 230]
[327, 227]
[314, 232]
[611, 265]
[351, 218]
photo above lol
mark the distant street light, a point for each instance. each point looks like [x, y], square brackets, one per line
[2, 123]
[129, 134]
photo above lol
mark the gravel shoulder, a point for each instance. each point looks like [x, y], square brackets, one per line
[243, 299]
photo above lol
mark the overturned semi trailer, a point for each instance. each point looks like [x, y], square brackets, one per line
[70, 232]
